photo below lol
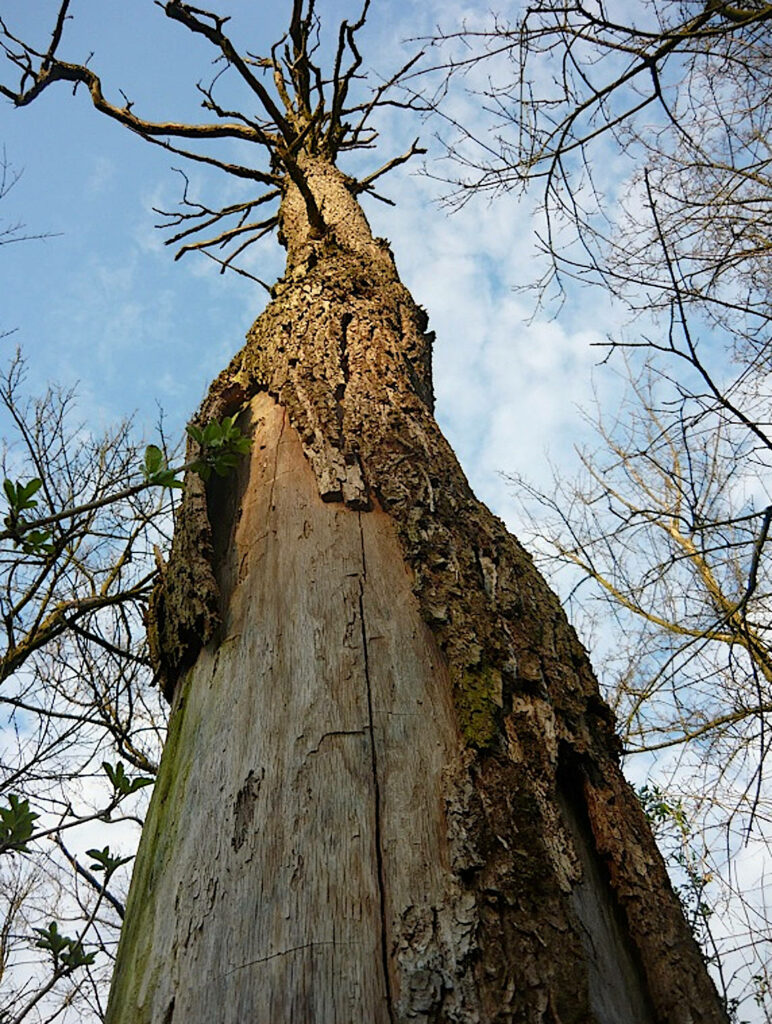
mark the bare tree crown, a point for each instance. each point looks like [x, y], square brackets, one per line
[303, 113]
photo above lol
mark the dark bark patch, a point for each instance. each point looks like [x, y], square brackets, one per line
[244, 808]
[617, 984]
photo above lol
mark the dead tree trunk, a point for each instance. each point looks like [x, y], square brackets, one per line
[391, 789]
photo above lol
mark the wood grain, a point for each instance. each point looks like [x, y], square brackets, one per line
[304, 790]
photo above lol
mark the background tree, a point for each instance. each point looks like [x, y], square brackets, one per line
[82, 723]
[11, 231]
[645, 134]
[376, 700]
[657, 528]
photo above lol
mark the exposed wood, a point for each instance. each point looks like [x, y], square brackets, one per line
[301, 795]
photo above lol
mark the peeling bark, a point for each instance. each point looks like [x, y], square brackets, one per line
[392, 790]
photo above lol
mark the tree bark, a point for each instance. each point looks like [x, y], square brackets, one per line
[391, 789]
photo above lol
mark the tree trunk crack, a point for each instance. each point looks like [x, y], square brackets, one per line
[345, 320]
[336, 732]
[376, 785]
[282, 952]
[275, 469]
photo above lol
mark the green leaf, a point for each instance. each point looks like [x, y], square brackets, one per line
[75, 956]
[36, 542]
[117, 775]
[16, 825]
[140, 782]
[26, 492]
[224, 463]
[52, 940]
[20, 495]
[167, 478]
[212, 433]
[121, 783]
[103, 860]
[195, 432]
[66, 951]
[222, 444]
[156, 470]
[154, 460]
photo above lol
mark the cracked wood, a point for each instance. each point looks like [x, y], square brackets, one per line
[328, 778]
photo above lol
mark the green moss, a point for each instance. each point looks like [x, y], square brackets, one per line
[158, 839]
[477, 694]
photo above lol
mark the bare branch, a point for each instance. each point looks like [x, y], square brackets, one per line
[244, 273]
[210, 26]
[57, 71]
[92, 880]
[364, 185]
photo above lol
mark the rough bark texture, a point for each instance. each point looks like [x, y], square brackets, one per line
[391, 790]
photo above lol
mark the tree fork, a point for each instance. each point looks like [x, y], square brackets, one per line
[391, 788]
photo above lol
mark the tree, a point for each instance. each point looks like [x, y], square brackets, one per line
[14, 231]
[644, 134]
[82, 723]
[390, 788]
[82, 720]
[680, 91]
[655, 527]
[74, 687]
